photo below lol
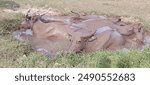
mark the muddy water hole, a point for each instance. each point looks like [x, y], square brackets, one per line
[80, 33]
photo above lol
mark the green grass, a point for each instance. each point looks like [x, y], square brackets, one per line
[9, 4]
[14, 53]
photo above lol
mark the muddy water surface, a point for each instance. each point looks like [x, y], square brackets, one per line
[110, 33]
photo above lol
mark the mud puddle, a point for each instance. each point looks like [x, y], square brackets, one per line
[51, 34]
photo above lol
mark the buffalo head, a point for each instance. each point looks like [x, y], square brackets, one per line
[79, 41]
[30, 19]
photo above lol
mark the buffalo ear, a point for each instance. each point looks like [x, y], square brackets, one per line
[26, 16]
[28, 13]
[29, 17]
[140, 30]
[89, 35]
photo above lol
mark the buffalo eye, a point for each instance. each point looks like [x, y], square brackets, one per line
[28, 18]
[139, 30]
[78, 42]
